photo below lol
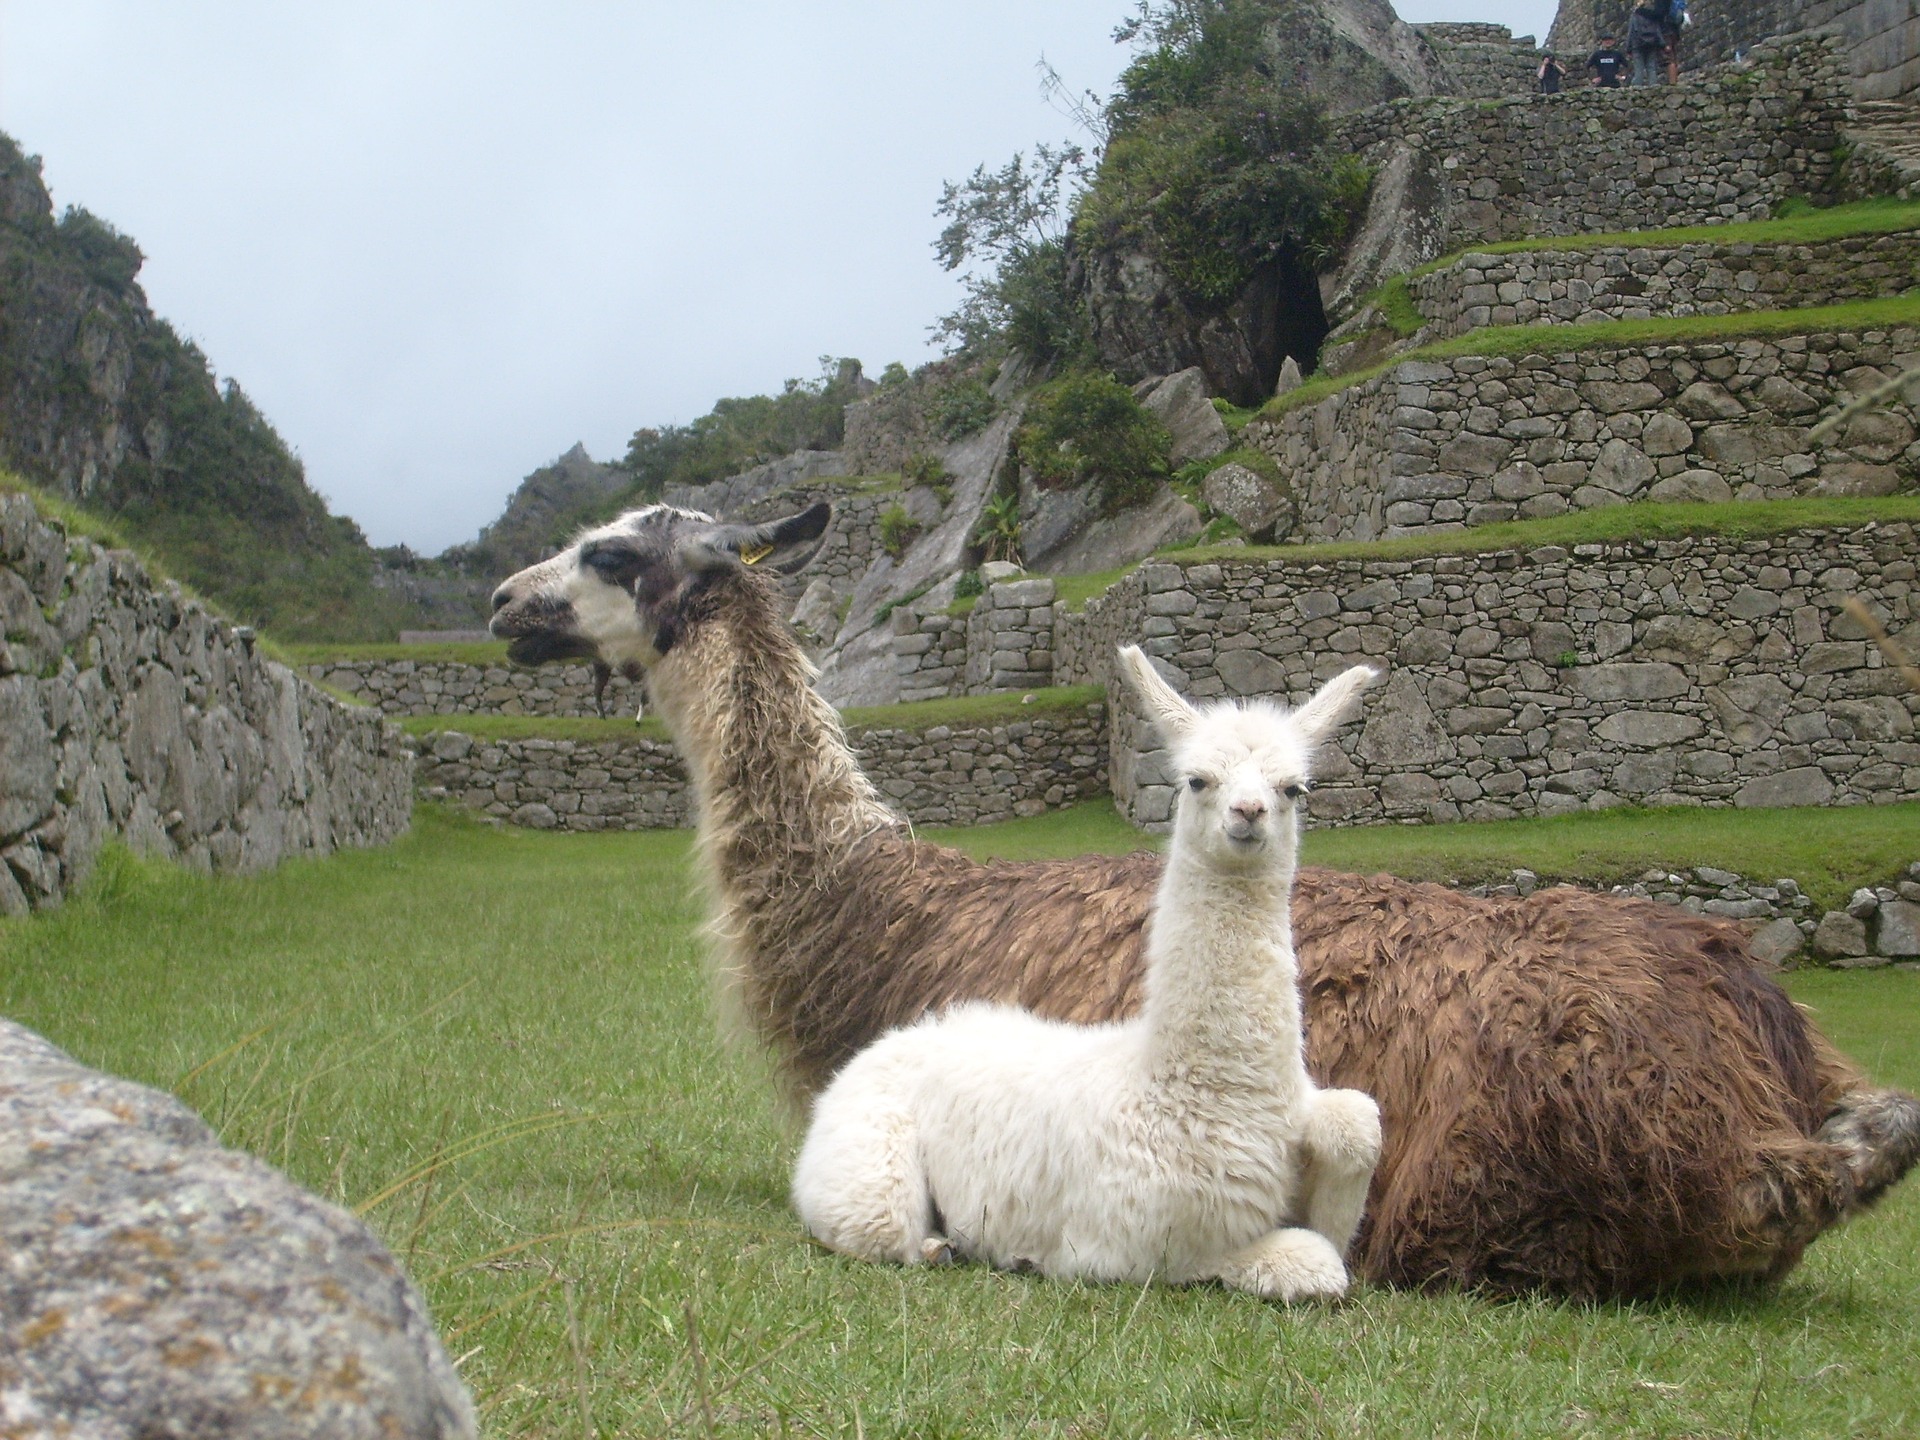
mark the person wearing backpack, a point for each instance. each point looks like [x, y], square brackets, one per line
[1673, 20]
[1646, 42]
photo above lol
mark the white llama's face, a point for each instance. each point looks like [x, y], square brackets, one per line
[1242, 773]
[1242, 769]
[619, 594]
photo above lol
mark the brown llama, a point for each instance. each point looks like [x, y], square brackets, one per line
[1581, 1094]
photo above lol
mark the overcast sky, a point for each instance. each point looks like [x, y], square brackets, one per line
[439, 241]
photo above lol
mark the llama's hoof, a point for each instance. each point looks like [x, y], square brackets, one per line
[937, 1250]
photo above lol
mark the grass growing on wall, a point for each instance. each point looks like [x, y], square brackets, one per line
[919, 715]
[1611, 524]
[1516, 340]
[1810, 227]
[474, 652]
[541, 1000]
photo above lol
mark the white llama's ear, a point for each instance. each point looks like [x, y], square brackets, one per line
[1172, 716]
[1333, 702]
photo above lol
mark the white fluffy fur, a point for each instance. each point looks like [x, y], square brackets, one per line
[1186, 1144]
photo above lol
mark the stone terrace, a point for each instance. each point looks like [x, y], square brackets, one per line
[1449, 443]
[1703, 671]
[1643, 282]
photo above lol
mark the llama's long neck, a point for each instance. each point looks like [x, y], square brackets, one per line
[780, 796]
[1223, 1002]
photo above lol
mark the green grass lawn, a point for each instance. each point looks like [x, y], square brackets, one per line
[499, 1045]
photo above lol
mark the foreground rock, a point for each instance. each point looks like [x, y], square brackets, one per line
[158, 1285]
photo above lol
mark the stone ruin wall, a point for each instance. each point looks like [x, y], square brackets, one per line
[1482, 61]
[1468, 440]
[946, 775]
[1617, 282]
[1880, 38]
[1705, 671]
[1724, 147]
[128, 711]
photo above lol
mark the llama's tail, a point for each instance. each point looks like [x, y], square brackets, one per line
[1877, 1135]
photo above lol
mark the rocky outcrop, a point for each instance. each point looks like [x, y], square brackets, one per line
[1349, 54]
[1406, 224]
[1181, 403]
[129, 710]
[546, 505]
[158, 1284]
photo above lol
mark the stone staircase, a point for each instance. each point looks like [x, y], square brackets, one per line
[1886, 147]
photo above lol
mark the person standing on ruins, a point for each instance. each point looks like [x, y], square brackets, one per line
[1607, 64]
[1673, 20]
[1646, 43]
[1551, 73]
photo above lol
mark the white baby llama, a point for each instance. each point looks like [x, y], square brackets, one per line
[1186, 1144]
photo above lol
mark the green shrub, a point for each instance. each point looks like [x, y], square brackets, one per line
[1089, 427]
[960, 409]
[894, 374]
[997, 536]
[969, 585]
[924, 469]
[897, 530]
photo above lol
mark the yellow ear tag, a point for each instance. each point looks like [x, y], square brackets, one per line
[754, 554]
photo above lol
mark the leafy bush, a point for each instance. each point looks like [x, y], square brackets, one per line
[969, 585]
[997, 536]
[740, 433]
[897, 530]
[894, 374]
[1087, 426]
[961, 408]
[923, 469]
[109, 257]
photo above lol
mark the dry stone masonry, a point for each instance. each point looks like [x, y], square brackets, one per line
[1730, 145]
[1451, 443]
[1617, 282]
[947, 775]
[128, 710]
[1702, 671]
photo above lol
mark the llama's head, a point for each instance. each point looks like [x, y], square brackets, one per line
[1241, 768]
[623, 594]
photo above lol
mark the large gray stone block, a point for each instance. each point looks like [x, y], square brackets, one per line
[160, 1285]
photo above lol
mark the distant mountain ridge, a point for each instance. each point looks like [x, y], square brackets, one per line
[105, 405]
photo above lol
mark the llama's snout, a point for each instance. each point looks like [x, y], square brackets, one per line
[1246, 820]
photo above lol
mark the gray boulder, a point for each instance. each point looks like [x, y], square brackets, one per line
[1181, 403]
[1405, 225]
[1249, 499]
[158, 1285]
[1064, 532]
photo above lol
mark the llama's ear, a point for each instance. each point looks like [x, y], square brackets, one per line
[1333, 702]
[1172, 716]
[783, 545]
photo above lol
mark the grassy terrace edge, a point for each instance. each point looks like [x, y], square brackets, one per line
[1515, 340]
[1839, 222]
[918, 717]
[1610, 525]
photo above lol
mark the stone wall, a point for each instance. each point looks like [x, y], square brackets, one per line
[1728, 146]
[947, 775]
[1615, 282]
[447, 687]
[1483, 61]
[1472, 439]
[1881, 37]
[1688, 672]
[128, 710]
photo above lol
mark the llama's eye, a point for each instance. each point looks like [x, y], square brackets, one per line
[1294, 792]
[1196, 782]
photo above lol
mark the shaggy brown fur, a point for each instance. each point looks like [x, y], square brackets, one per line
[1581, 1094]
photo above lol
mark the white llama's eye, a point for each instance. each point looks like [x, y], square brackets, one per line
[1196, 782]
[1294, 792]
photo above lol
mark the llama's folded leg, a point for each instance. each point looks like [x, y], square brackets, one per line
[1341, 1145]
[1287, 1265]
[860, 1189]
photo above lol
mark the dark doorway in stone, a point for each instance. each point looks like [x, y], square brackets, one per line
[1299, 323]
